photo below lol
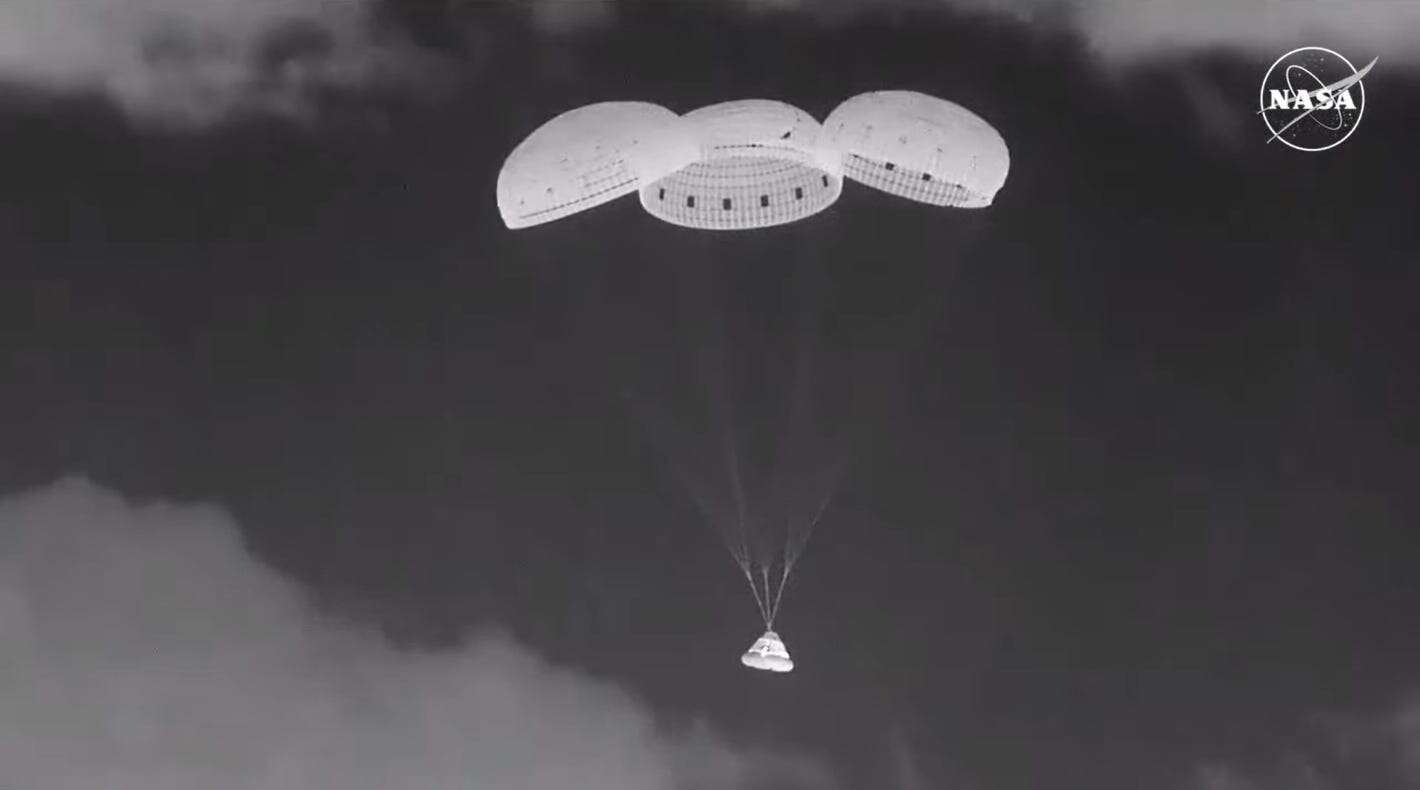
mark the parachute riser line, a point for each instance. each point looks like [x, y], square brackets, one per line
[783, 577]
[759, 600]
[792, 549]
[768, 609]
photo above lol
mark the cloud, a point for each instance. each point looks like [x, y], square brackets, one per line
[1377, 750]
[1294, 773]
[1407, 728]
[1392, 737]
[559, 17]
[1143, 28]
[1221, 777]
[196, 62]
[1127, 30]
[193, 62]
[144, 649]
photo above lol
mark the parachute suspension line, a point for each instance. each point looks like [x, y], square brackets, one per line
[792, 550]
[732, 460]
[758, 599]
[779, 593]
[769, 612]
[803, 537]
[783, 577]
[743, 558]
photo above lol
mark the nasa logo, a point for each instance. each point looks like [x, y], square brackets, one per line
[1312, 98]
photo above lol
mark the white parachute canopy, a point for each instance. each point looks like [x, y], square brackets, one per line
[919, 147]
[589, 156]
[753, 163]
[760, 163]
[768, 653]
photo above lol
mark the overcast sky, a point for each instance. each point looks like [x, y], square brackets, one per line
[314, 475]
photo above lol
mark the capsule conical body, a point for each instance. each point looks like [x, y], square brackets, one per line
[769, 654]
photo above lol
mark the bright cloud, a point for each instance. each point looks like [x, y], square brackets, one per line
[144, 649]
[191, 62]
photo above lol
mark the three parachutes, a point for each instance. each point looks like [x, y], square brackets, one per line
[751, 164]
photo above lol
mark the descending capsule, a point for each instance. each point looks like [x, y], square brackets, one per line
[768, 653]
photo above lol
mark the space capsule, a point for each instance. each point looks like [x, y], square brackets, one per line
[768, 653]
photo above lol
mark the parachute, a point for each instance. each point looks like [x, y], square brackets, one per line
[741, 165]
[589, 156]
[919, 147]
[761, 163]
[755, 163]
